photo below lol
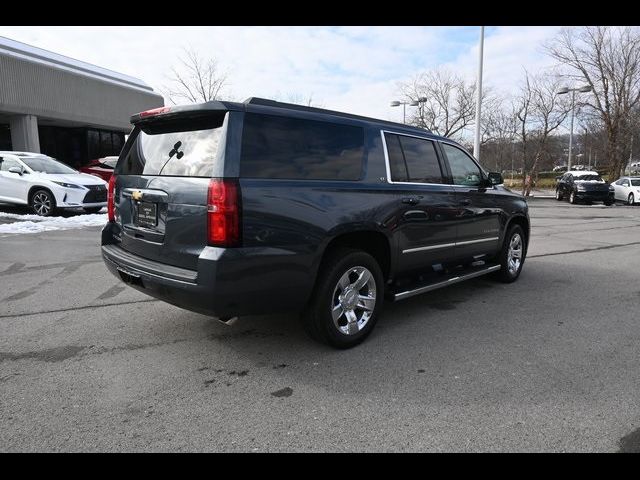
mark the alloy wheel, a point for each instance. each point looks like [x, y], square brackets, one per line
[353, 300]
[42, 203]
[514, 254]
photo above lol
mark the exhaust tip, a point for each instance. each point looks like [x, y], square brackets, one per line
[228, 320]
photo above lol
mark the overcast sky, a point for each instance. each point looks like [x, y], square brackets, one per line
[354, 69]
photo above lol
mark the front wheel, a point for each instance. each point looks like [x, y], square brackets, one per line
[631, 200]
[346, 300]
[572, 198]
[43, 203]
[512, 255]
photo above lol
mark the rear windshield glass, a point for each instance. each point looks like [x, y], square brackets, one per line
[589, 178]
[183, 148]
[293, 148]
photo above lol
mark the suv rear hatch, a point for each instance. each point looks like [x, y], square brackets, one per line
[162, 184]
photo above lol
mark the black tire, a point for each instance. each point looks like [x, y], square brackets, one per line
[559, 196]
[43, 203]
[317, 317]
[572, 198]
[506, 273]
[631, 200]
[608, 203]
[92, 209]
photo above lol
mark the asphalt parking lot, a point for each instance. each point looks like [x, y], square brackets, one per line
[549, 363]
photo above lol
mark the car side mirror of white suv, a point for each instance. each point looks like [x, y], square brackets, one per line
[17, 170]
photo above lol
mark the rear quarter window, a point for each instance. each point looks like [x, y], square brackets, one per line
[291, 148]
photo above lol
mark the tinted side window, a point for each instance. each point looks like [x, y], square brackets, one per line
[396, 159]
[463, 168]
[291, 148]
[412, 159]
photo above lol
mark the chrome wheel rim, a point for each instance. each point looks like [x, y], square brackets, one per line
[42, 204]
[514, 255]
[572, 197]
[558, 194]
[353, 300]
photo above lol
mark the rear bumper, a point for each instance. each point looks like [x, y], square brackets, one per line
[227, 282]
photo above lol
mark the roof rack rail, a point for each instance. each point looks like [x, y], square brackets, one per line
[292, 106]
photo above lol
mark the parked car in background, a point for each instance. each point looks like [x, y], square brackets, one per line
[559, 168]
[584, 186]
[101, 167]
[627, 189]
[260, 207]
[45, 184]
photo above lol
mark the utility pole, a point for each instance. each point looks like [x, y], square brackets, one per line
[476, 143]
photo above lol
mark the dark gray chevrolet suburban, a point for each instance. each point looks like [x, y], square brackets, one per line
[232, 209]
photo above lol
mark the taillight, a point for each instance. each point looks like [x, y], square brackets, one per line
[154, 111]
[111, 211]
[223, 213]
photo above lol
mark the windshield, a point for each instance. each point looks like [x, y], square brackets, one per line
[635, 183]
[109, 162]
[589, 178]
[46, 165]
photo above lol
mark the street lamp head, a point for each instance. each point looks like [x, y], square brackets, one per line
[422, 99]
[562, 90]
[585, 89]
[395, 103]
[413, 104]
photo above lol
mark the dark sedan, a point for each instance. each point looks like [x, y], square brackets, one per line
[584, 186]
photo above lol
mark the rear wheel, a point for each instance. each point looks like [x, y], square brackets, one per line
[93, 209]
[631, 200]
[43, 203]
[558, 194]
[512, 255]
[347, 299]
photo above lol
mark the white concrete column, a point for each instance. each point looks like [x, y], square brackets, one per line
[24, 133]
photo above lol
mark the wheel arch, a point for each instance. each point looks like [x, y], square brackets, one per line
[524, 223]
[374, 242]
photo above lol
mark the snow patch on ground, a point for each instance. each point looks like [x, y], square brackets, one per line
[37, 224]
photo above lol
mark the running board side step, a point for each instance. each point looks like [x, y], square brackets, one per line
[444, 283]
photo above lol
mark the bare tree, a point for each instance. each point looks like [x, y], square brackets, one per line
[298, 99]
[498, 131]
[449, 105]
[608, 60]
[540, 112]
[195, 79]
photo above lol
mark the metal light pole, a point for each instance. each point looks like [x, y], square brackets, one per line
[397, 103]
[476, 143]
[573, 91]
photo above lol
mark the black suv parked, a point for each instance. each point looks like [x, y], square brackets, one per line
[260, 207]
[584, 186]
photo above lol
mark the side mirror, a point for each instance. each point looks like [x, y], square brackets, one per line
[17, 170]
[495, 178]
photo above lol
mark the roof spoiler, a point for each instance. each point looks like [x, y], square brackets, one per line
[177, 110]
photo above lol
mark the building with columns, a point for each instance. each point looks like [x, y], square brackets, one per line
[65, 108]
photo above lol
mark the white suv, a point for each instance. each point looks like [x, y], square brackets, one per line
[45, 184]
